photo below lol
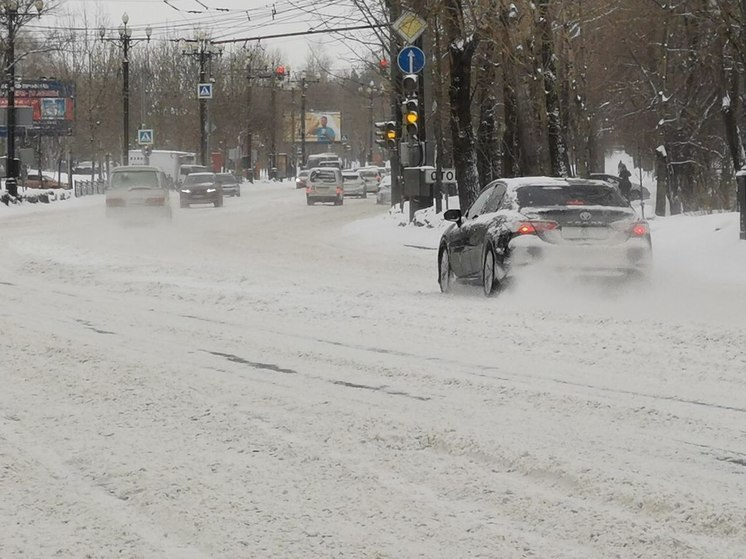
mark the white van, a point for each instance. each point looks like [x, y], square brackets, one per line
[323, 160]
[138, 190]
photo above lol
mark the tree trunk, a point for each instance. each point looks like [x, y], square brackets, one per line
[560, 166]
[488, 139]
[461, 50]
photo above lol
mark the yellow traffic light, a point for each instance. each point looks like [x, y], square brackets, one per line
[391, 134]
[412, 117]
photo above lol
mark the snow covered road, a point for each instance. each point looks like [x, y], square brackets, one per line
[275, 380]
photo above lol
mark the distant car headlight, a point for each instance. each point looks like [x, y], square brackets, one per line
[186, 191]
[211, 189]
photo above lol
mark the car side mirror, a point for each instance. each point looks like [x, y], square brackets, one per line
[453, 215]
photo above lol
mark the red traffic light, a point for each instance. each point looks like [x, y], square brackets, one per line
[383, 65]
[280, 72]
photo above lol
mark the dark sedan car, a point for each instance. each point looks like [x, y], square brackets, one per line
[230, 184]
[574, 224]
[201, 188]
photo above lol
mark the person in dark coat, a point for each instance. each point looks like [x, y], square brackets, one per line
[625, 186]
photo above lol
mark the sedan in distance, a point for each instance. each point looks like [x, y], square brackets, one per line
[230, 184]
[383, 196]
[354, 184]
[137, 191]
[300, 180]
[325, 185]
[561, 224]
[34, 180]
[201, 188]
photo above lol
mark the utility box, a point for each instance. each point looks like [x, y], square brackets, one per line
[415, 182]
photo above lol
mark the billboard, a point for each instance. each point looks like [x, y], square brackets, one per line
[323, 127]
[51, 102]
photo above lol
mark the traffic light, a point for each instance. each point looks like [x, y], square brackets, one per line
[391, 135]
[411, 117]
[387, 134]
[410, 108]
[410, 85]
[280, 72]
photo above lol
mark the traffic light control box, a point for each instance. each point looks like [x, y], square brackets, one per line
[415, 182]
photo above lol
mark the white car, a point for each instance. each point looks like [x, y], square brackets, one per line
[384, 191]
[354, 184]
[138, 190]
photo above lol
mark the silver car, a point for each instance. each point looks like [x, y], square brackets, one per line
[384, 191]
[325, 185]
[372, 177]
[354, 184]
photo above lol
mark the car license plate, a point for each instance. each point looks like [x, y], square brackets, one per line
[585, 233]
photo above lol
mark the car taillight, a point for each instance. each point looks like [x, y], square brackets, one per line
[308, 190]
[533, 227]
[640, 229]
[154, 201]
[339, 191]
[112, 202]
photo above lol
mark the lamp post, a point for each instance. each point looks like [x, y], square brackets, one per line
[10, 11]
[371, 89]
[203, 49]
[127, 41]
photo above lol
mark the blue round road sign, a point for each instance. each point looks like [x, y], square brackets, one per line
[411, 60]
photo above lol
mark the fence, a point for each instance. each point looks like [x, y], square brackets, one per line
[87, 188]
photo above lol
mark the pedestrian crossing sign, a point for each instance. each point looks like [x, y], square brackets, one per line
[145, 137]
[204, 91]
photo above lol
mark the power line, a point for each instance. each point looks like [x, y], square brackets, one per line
[302, 33]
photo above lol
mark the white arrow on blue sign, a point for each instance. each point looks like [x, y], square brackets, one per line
[204, 91]
[411, 60]
[145, 137]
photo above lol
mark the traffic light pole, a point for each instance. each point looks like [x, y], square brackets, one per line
[303, 121]
[203, 109]
[10, 165]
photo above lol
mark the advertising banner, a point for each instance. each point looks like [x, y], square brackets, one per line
[323, 127]
[51, 102]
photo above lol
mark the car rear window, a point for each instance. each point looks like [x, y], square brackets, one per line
[350, 176]
[127, 179]
[323, 176]
[570, 195]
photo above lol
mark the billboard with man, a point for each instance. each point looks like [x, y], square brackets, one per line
[323, 127]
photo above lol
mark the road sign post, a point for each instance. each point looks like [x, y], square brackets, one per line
[145, 137]
[204, 91]
[409, 26]
[411, 60]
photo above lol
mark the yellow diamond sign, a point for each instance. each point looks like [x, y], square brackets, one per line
[409, 26]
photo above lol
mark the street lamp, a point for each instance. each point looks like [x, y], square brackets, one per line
[9, 9]
[371, 89]
[126, 39]
[203, 49]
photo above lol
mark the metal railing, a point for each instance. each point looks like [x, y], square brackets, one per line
[88, 188]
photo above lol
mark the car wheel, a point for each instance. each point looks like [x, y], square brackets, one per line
[309, 201]
[488, 273]
[219, 202]
[365, 194]
[238, 193]
[183, 204]
[445, 274]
